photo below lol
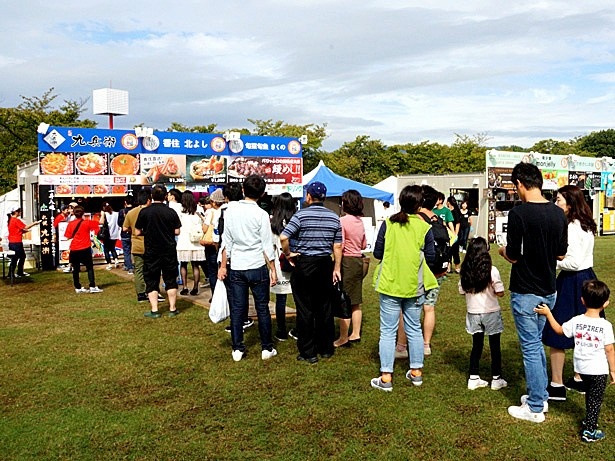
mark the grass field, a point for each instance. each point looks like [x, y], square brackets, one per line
[86, 377]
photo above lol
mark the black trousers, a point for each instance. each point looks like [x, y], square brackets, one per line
[477, 351]
[595, 385]
[312, 284]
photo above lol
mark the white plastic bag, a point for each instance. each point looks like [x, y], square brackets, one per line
[219, 310]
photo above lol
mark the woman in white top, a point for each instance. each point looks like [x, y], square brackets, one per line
[188, 251]
[575, 268]
[110, 217]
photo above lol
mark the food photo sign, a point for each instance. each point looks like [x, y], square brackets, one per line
[98, 162]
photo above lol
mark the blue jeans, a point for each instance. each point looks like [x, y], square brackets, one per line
[126, 249]
[256, 280]
[529, 330]
[390, 307]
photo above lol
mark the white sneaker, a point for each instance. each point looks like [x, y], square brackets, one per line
[109, 267]
[237, 355]
[545, 408]
[81, 290]
[266, 355]
[475, 383]
[524, 412]
[95, 290]
[498, 384]
[116, 263]
[67, 270]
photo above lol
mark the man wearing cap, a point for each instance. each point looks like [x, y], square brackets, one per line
[316, 233]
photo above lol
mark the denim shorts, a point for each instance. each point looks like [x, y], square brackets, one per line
[431, 296]
[490, 323]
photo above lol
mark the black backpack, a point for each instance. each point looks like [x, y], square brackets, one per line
[442, 244]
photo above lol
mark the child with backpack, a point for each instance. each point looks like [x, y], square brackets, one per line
[481, 284]
[594, 354]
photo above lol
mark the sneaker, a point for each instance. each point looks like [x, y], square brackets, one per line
[592, 436]
[237, 355]
[524, 412]
[109, 267]
[416, 380]
[377, 383]
[307, 359]
[557, 392]
[246, 324]
[545, 408]
[184, 292]
[293, 334]
[131, 272]
[25, 274]
[497, 384]
[475, 383]
[95, 290]
[142, 297]
[574, 385]
[161, 298]
[81, 290]
[426, 349]
[403, 354]
[152, 315]
[279, 336]
[174, 313]
[204, 285]
[67, 269]
[266, 355]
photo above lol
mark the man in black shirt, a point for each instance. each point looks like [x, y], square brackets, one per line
[159, 225]
[536, 238]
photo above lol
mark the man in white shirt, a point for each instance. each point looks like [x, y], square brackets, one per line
[247, 243]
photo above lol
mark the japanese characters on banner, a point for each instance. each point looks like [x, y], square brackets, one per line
[589, 173]
[96, 162]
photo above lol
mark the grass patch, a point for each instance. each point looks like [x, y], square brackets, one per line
[86, 377]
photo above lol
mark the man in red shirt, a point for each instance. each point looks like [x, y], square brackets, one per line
[78, 232]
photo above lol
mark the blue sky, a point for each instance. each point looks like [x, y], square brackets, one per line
[398, 71]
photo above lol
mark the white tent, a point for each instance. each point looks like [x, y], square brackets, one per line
[7, 201]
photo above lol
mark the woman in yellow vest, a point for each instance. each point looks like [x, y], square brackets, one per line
[404, 245]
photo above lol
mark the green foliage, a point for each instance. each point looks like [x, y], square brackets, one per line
[599, 143]
[211, 128]
[316, 135]
[550, 146]
[18, 137]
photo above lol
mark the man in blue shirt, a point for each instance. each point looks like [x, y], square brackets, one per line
[316, 233]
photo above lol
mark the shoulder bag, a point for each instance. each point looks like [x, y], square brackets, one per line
[208, 238]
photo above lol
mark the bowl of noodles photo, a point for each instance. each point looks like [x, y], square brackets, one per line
[91, 164]
[124, 165]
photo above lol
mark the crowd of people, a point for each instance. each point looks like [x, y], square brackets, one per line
[248, 247]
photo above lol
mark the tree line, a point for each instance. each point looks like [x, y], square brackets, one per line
[363, 159]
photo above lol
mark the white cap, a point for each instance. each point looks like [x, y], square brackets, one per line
[14, 208]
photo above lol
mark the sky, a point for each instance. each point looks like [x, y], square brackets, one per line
[397, 71]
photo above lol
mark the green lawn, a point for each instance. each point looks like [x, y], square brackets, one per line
[86, 377]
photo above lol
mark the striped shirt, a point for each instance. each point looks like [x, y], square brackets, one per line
[313, 230]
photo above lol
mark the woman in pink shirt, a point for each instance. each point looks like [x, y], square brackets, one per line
[353, 241]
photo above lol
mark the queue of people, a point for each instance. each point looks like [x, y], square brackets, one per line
[296, 251]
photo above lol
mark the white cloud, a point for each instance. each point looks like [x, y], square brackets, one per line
[398, 71]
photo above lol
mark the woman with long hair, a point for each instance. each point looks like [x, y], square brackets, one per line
[16, 229]
[481, 284]
[284, 207]
[187, 250]
[353, 241]
[404, 245]
[575, 268]
[111, 218]
[464, 226]
[451, 203]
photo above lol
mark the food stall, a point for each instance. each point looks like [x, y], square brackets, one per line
[95, 165]
[593, 175]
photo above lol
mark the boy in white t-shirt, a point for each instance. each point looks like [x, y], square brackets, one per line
[594, 354]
